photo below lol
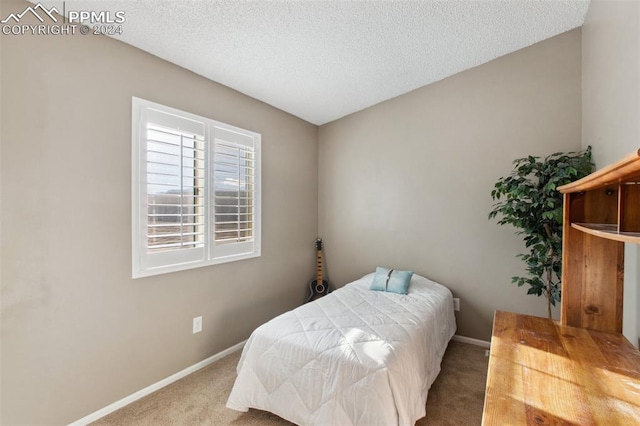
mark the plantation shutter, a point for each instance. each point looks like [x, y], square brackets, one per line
[195, 191]
[236, 192]
[174, 149]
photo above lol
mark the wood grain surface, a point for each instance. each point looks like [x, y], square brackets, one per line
[542, 373]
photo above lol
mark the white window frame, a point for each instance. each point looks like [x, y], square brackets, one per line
[147, 263]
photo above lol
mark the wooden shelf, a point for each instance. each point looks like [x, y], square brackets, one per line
[609, 231]
[601, 214]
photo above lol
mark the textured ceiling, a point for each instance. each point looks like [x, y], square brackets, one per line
[323, 60]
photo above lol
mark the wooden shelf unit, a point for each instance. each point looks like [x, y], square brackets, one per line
[601, 213]
[581, 370]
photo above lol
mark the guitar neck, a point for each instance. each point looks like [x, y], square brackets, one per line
[319, 265]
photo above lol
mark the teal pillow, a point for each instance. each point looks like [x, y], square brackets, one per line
[391, 280]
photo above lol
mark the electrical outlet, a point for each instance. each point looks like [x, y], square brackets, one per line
[456, 304]
[197, 325]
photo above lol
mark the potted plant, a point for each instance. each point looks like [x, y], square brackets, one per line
[528, 199]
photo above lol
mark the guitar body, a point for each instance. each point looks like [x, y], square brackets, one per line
[318, 287]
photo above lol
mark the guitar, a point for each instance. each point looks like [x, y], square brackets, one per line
[319, 287]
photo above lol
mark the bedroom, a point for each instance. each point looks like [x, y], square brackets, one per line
[78, 333]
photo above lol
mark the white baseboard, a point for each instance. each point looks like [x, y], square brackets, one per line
[471, 341]
[154, 387]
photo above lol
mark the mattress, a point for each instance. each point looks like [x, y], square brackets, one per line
[353, 357]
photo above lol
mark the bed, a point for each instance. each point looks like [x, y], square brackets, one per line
[355, 356]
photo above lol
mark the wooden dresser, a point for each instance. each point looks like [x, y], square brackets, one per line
[580, 370]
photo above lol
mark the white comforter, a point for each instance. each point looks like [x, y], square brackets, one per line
[355, 356]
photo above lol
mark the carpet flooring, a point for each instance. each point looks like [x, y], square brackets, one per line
[455, 398]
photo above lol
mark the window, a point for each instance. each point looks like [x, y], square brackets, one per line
[195, 190]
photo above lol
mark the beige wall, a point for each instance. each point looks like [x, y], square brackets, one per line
[611, 110]
[77, 332]
[407, 183]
